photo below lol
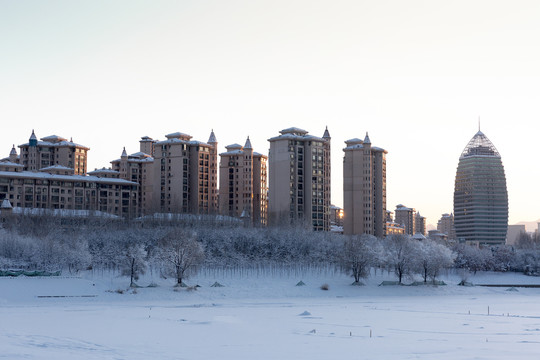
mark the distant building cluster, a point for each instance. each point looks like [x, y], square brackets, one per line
[289, 186]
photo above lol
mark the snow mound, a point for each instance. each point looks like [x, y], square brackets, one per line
[305, 313]
[301, 283]
[217, 284]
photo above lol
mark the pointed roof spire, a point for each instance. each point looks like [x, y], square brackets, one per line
[124, 153]
[212, 139]
[366, 139]
[248, 144]
[33, 139]
[326, 134]
[13, 150]
[479, 130]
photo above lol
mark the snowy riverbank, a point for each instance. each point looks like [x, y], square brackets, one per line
[263, 315]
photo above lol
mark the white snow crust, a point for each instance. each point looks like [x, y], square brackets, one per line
[256, 316]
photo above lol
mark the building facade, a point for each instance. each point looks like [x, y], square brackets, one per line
[446, 226]
[53, 150]
[336, 216]
[138, 167]
[406, 216]
[185, 175]
[480, 194]
[243, 184]
[419, 224]
[299, 179]
[52, 188]
[364, 188]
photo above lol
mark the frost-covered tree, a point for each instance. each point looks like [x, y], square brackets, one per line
[131, 255]
[431, 257]
[503, 258]
[358, 254]
[16, 251]
[528, 261]
[399, 254]
[180, 254]
[472, 258]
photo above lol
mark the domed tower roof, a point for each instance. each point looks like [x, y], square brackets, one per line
[480, 145]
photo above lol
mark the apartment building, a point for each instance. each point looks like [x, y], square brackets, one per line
[138, 167]
[57, 187]
[364, 188]
[299, 179]
[406, 217]
[53, 150]
[184, 175]
[446, 226]
[243, 184]
[336, 216]
[419, 224]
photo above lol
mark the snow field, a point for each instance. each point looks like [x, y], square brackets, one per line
[265, 316]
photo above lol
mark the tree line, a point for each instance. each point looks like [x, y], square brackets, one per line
[178, 249]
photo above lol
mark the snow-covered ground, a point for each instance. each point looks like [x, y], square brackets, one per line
[263, 315]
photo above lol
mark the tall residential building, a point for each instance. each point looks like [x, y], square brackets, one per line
[480, 194]
[138, 167]
[242, 184]
[405, 216]
[419, 224]
[364, 188]
[185, 175]
[446, 226]
[53, 150]
[299, 183]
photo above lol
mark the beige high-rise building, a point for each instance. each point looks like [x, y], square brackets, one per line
[405, 216]
[185, 175]
[53, 150]
[419, 224]
[138, 167]
[364, 188]
[446, 226]
[299, 183]
[242, 184]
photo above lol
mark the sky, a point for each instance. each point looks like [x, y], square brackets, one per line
[416, 75]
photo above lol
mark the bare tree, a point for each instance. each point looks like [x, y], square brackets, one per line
[180, 253]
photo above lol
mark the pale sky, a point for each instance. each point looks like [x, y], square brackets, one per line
[415, 74]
